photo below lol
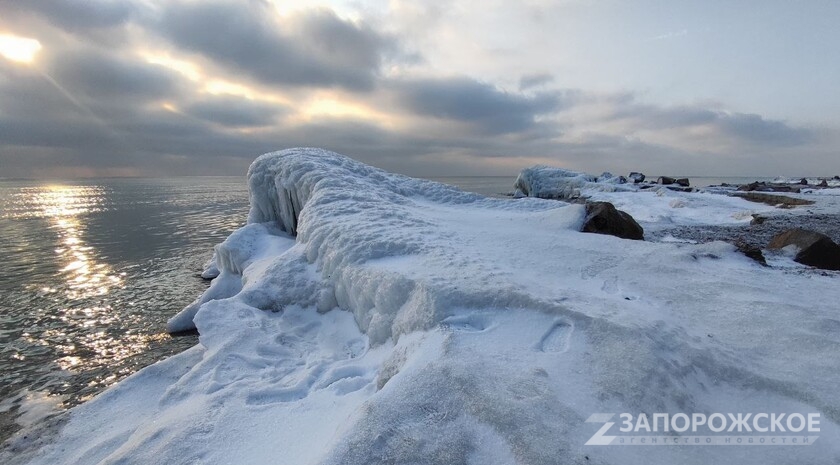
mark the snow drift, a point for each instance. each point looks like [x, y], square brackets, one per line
[364, 317]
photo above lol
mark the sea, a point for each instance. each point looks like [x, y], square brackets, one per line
[90, 270]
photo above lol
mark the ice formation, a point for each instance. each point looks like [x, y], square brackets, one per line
[363, 317]
[546, 182]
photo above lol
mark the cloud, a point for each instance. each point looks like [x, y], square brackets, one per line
[315, 48]
[235, 112]
[535, 80]
[101, 75]
[82, 15]
[757, 129]
[113, 112]
[488, 109]
[745, 127]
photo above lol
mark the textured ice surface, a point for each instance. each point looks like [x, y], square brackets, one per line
[545, 182]
[364, 317]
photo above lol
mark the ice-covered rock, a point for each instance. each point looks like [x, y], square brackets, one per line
[545, 182]
[636, 177]
[607, 177]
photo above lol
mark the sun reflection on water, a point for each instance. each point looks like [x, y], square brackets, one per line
[83, 277]
[82, 338]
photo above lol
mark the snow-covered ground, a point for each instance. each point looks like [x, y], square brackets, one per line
[364, 317]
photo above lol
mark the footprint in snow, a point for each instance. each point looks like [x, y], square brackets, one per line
[557, 338]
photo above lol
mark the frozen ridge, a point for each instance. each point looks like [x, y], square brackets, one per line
[363, 317]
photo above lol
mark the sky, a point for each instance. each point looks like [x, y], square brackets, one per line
[451, 88]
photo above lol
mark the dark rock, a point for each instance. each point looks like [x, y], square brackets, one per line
[665, 180]
[749, 187]
[751, 251]
[773, 199]
[824, 183]
[837, 178]
[637, 177]
[604, 218]
[803, 181]
[683, 182]
[622, 180]
[757, 219]
[679, 188]
[815, 249]
[764, 187]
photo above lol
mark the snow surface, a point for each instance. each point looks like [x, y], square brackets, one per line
[363, 317]
[657, 207]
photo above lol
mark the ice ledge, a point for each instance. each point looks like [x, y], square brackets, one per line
[343, 214]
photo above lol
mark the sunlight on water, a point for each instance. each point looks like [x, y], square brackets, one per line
[82, 278]
[91, 271]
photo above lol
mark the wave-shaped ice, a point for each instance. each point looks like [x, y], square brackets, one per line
[346, 214]
[363, 317]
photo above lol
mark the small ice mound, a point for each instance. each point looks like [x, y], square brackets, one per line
[230, 259]
[670, 238]
[211, 270]
[743, 215]
[546, 182]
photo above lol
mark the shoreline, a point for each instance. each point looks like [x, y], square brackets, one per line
[334, 344]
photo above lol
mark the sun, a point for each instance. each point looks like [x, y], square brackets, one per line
[19, 49]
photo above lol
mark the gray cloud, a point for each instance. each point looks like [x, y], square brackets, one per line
[100, 75]
[234, 111]
[529, 81]
[112, 115]
[757, 129]
[80, 16]
[483, 105]
[661, 118]
[747, 127]
[316, 48]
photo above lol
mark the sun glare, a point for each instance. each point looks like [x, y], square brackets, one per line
[19, 49]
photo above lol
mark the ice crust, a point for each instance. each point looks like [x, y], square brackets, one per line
[363, 317]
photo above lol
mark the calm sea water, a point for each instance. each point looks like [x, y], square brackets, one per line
[91, 270]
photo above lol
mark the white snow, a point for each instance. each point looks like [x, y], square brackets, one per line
[364, 317]
[662, 208]
[653, 207]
